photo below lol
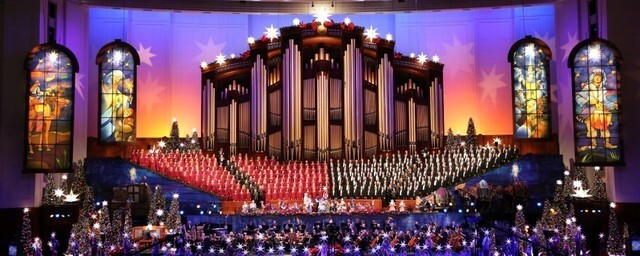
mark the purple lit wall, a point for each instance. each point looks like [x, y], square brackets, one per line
[473, 45]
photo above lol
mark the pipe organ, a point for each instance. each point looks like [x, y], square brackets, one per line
[319, 93]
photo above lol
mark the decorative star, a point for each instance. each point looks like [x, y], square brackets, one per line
[459, 56]
[271, 33]
[324, 238]
[371, 33]
[393, 249]
[439, 248]
[281, 248]
[293, 249]
[422, 58]
[306, 249]
[220, 59]
[508, 241]
[222, 251]
[448, 246]
[322, 15]
[389, 37]
[572, 40]
[99, 244]
[260, 248]
[145, 55]
[117, 57]
[211, 250]
[271, 250]
[58, 192]
[240, 246]
[347, 238]
[228, 240]
[208, 51]
[519, 207]
[296, 22]
[357, 249]
[187, 245]
[169, 244]
[203, 64]
[52, 57]
[435, 58]
[514, 229]
[612, 205]
[601, 235]
[50, 244]
[551, 240]
[347, 21]
[251, 40]
[491, 83]
[199, 246]
[135, 245]
[348, 250]
[71, 197]
[53, 234]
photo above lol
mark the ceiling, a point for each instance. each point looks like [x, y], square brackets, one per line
[300, 6]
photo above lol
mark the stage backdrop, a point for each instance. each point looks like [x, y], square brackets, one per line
[473, 45]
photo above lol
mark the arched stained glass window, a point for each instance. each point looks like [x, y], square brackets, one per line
[50, 91]
[595, 65]
[529, 58]
[117, 62]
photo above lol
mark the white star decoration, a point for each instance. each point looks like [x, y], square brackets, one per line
[389, 37]
[71, 197]
[371, 33]
[145, 55]
[220, 59]
[296, 22]
[460, 57]
[422, 58]
[322, 15]
[594, 53]
[490, 84]
[572, 40]
[271, 33]
[435, 58]
[251, 40]
[208, 51]
[58, 192]
[347, 21]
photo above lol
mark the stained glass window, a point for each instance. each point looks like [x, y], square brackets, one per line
[596, 93]
[529, 60]
[117, 62]
[51, 70]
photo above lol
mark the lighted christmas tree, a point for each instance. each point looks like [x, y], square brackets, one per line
[519, 228]
[559, 201]
[581, 175]
[174, 137]
[614, 243]
[79, 180]
[568, 242]
[450, 145]
[116, 227]
[104, 219]
[64, 184]
[472, 138]
[548, 220]
[128, 224]
[157, 207]
[567, 189]
[26, 237]
[49, 197]
[82, 228]
[493, 247]
[173, 217]
[599, 192]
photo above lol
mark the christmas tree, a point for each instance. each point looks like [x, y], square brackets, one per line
[49, 197]
[599, 192]
[174, 137]
[567, 189]
[82, 229]
[614, 244]
[128, 225]
[581, 176]
[64, 184]
[79, 180]
[157, 207]
[472, 139]
[519, 228]
[559, 200]
[568, 242]
[173, 217]
[450, 140]
[548, 220]
[26, 237]
[104, 220]
[116, 227]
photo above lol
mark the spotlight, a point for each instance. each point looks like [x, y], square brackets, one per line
[539, 204]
